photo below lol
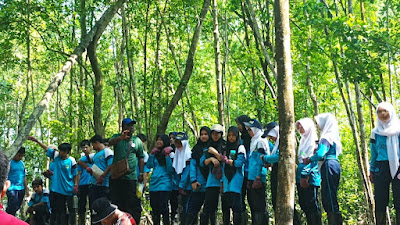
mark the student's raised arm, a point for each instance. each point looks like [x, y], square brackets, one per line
[37, 141]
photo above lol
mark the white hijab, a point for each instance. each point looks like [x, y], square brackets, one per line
[308, 138]
[255, 139]
[274, 132]
[181, 156]
[330, 130]
[391, 130]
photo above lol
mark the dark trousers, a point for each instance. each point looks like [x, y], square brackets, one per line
[159, 205]
[382, 181]
[62, 209]
[231, 200]
[184, 200]
[244, 192]
[96, 192]
[40, 215]
[83, 196]
[330, 176]
[173, 201]
[14, 201]
[211, 200]
[256, 198]
[123, 194]
[274, 184]
[308, 199]
[195, 202]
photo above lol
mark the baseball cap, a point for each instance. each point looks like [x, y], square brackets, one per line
[182, 136]
[268, 128]
[128, 121]
[253, 123]
[218, 128]
[101, 209]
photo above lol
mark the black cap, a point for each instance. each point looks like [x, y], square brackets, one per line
[268, 128]
[253, 123]
[127, 121]
[182, 136]
[101, 209]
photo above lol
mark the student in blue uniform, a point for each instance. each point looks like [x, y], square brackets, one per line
[180, 163]
[329, 148]
[63, 183]
[19, 185]
[198, 177]
[146, 170]
[39, 205]
[161, 179]
[173, 198]
[384, 165]
[100, 170]
[257, 173]
[272, 132]
[211, 159]
[84, 181]
[245, 139]
[234, 159]
[307, 186]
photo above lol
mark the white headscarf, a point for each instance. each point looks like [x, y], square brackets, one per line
[255, 139]
[308, 138]
[330, 130]
[274, 132]
[181, 156]
[391, 130]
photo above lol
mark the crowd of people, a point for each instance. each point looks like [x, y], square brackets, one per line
[234, 170]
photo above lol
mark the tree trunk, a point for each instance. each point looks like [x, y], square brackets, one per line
[287, 144]
[188, 70]
[100, 26]
[257, 35]
[146, 118]
[82, 75]
[97, 89]
[132, 77]
[220, 96]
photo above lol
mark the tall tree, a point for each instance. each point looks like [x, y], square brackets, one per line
[218, 74]
[188, 70]
[100, 26]
[287, 144]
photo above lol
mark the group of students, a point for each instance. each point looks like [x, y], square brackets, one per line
[235, 169]
[240, 166]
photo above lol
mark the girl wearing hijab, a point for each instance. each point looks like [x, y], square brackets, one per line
[329, 149]
[180, 163]
[234, 158]
[173, 199]
[272, 132]
[245, 140]
[161, 179]
[211, 159]
[307, 186]
[257, 172]
[385, 161]
[198, 176]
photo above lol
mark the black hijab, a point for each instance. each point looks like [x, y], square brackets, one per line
[160, 156]
[245, 135]
[198, 149]
[231, 170]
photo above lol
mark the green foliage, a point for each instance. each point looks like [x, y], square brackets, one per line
[321, 38]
